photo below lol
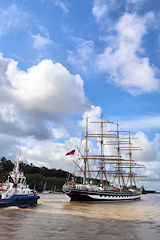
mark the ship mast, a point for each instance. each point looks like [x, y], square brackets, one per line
[132, 164]
[86, 153]
[100, 157]
[130, 159]
[128, 163]
[101, 149]
[119, 141]
[118, 150]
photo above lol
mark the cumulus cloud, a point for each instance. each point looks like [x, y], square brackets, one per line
[45, 89]
[31, 100]
[33, 106]
[8, 146]
[59, 133]
[22, 127]
[92, 114]
[152, 171]
[149, 150]
[124, 60]
[8, 113]
[50, 153]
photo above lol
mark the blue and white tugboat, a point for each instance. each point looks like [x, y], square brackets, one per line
[15, 191]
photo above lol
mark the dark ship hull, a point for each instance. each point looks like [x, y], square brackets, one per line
[103, 196]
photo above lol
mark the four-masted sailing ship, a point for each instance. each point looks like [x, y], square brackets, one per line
[105, 175]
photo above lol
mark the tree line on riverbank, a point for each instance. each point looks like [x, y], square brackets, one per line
[37, 177]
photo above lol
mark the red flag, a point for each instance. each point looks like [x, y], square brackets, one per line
[70, 153]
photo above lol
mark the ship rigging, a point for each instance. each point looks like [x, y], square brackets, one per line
[111, 182]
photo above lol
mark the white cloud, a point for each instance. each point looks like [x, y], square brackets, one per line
[33, 105]
[10, 17]
[45, 153]
[32, 100]
[152, 176]
[59, 133]
[3, 67]
[8, 146]
[149, 150]
[50, 154]
[59, 3]
[8, 113]
[83, 53]
[47, 89]
[62, 5]
[123, 61]
[135, 6]
[40, 41]
[99, 9]
[93, 114]
[152, 171]
[143, 122]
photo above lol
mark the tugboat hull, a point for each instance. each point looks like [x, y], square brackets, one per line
[20, 201]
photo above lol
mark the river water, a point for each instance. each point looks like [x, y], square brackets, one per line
[57, 218]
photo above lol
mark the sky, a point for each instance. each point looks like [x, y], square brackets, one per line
[63, 60]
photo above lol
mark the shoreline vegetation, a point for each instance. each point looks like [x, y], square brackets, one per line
[38, 178]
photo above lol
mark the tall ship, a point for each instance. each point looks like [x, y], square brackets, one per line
[106, 174]
[15, 191]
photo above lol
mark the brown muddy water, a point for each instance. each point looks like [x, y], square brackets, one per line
[57, 218]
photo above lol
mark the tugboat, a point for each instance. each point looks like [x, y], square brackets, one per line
[104, 174]
[15, 191]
